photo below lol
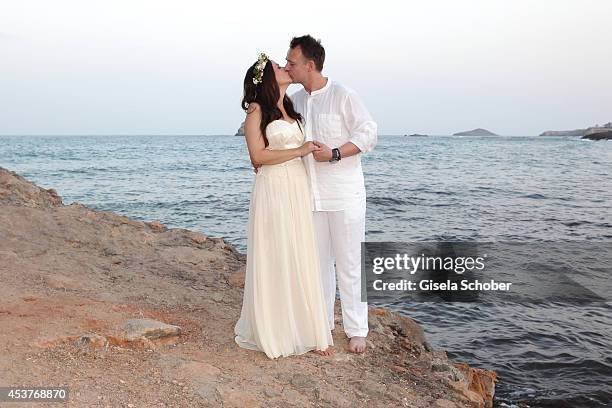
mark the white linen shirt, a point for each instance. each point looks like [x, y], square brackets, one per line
[335, 115]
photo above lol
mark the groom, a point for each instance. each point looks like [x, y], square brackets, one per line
[336, 120]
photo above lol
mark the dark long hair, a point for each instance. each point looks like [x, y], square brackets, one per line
[266, 94]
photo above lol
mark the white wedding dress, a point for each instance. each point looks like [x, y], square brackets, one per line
[283, 308]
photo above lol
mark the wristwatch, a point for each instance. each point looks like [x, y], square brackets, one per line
[335, 155]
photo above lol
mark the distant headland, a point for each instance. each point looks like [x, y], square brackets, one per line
[580, 132]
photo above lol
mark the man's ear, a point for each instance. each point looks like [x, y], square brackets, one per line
[311, 65]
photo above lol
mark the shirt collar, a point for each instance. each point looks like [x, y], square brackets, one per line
[324, 89]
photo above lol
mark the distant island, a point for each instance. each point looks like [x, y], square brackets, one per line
[475, 132]
[240, 131]
[579, 132]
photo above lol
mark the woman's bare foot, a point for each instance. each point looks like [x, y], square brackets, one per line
[326, 353]
[357, 344]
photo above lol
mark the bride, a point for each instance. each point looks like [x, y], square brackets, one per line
[283, 308]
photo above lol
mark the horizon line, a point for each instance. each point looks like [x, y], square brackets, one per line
[234, 135]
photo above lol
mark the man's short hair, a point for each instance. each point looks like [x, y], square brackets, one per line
[311, 49]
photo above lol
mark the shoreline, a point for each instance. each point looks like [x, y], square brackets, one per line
[75, 276]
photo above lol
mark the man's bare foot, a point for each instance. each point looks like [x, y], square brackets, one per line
[357, 344]
[326, 353]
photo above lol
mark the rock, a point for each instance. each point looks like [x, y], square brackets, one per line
[607, 135]
[199, 370]
[334, 399]
[438, 365]
[475, 132]
[236, 279]
[180, 237]
[50, 342]
[209, 392]
[290, 394]
[92, 340]
[16, 190]
[204, 377]
[140, 343]
[62, 282]
[303, 382]
[476, 385]
[373, 388]
[443, 403]
[240, 131]
[403, 325]
[149, 328]
[237, 398]
[454, 374]
[272, 392]
[156, 226]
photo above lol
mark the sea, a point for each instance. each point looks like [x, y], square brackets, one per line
[526, 189]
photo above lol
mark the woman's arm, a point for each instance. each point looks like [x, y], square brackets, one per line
[256, 145]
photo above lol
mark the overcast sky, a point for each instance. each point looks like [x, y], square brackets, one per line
[515, 67]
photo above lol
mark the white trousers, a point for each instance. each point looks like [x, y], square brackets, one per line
[339, 235]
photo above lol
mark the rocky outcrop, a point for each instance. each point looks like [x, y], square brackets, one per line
[475, 132]
[598, 129]
[240, 131]
[131, 313]
[16, 190]
[579, 132]
[607, 135]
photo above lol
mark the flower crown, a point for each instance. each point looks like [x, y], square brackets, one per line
[262, 60]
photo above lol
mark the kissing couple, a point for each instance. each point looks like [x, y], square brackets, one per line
[307, 208]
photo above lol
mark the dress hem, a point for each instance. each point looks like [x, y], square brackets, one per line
[250, 346]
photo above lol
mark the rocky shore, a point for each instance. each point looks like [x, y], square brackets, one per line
[607, 135]
[133, 314]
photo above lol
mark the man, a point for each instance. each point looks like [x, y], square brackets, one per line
[337, 121]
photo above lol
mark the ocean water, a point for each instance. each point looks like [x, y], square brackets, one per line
[524, 189]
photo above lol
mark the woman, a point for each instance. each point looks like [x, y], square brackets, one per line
[283, 308]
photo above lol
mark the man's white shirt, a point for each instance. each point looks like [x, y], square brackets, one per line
[335, 115]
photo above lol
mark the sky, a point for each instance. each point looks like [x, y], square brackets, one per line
[514, 67]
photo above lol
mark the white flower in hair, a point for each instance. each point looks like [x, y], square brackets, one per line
[262, 60]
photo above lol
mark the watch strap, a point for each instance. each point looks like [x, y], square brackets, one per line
[335, 155]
